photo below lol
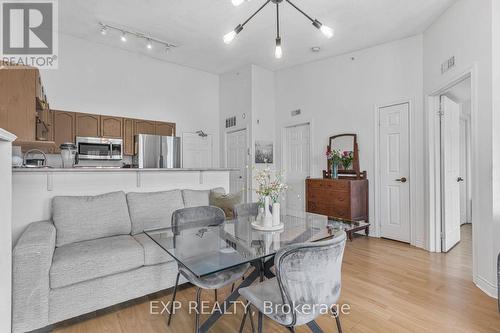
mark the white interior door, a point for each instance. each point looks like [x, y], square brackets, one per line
[296, 167]
[197, 151]
[450, 173]
[394, 161]
[237, 157]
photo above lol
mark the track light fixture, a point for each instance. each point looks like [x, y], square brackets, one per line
[124, 34]
[230, 36]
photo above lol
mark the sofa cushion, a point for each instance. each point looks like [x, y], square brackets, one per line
[226, 202]
[89, 217]
[153, 209]
[196, 198]
[96, 258]
[153, 253]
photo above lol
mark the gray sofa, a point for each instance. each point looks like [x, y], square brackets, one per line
[93, 254]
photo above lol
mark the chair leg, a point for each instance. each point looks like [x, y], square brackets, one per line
[337, 320]
[242, 279]
[215, 295]
[198, 309]
[243, 322]
[173, 299]
[291, 329]
[251, 319]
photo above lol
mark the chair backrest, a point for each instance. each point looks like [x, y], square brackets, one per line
[310, 273]
[246, 209]
[201, 216]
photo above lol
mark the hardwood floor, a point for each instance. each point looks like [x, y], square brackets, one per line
[390, 286]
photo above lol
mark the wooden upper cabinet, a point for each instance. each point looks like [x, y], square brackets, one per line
[111, 127]
[144, 127]
[64, 127]
[18, 102]
[165, 129]
[88, 125]
[128, 136]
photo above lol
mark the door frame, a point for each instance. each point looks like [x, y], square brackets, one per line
[248, 184]
[433, 195]
[376, 231]
[311, 145]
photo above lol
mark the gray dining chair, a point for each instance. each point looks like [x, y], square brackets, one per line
[202, 216]
[307, 274]
[246, 209]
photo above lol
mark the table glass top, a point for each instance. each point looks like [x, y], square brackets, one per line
[205, 249]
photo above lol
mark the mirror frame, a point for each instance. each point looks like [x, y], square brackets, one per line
[355, 162]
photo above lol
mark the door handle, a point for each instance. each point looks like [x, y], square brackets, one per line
[401, 180]
[460, 179]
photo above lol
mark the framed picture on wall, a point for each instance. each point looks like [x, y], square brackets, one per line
[264, 152]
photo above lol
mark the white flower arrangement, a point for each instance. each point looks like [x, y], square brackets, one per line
[269, 183]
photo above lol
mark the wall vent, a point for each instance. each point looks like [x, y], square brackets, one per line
[231, 122]
[447, 65]
[295, 113]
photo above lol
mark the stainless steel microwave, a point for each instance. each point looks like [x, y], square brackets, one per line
[99, 148]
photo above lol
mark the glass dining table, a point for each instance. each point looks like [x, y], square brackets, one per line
[207, 249]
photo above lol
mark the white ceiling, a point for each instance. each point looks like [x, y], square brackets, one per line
[198, 26]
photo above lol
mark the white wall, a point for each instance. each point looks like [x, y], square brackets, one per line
[249, 94]
[235, 97]
[340, 95]
[263, 113]
[495, 137]
[465, 31]
[96, 78]
[5, 230]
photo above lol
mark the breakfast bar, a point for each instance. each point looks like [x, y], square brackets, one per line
[33, 188]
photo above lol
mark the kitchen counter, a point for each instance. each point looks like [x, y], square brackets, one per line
[115, 169]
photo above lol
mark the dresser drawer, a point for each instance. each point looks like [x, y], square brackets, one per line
[330, 185]
[328, 210]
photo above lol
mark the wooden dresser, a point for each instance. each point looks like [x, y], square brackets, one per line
[338, 198]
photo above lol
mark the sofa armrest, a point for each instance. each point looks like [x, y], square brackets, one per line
[31, 261]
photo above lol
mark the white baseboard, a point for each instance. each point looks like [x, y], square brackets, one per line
[487, 287]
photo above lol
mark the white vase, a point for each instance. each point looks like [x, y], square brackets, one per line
[267, 222]
[276, 214]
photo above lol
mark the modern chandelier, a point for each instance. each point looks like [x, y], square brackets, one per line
[278, 53]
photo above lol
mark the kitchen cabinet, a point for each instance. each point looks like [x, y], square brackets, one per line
[144, 127]
[165, 129]
[44, 125]
[18, 101]
[111, 127]
[128, 136]
[64, 128]
[88, 125]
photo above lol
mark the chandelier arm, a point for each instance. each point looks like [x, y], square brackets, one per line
[300, 10]
[258, 10]
[277, 20]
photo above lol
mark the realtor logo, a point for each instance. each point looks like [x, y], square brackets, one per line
[29, 33]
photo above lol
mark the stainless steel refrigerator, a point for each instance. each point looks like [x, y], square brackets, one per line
[154, 151]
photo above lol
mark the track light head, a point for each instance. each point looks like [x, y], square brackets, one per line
[123, 37]
[149, 44]
[104, 30]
